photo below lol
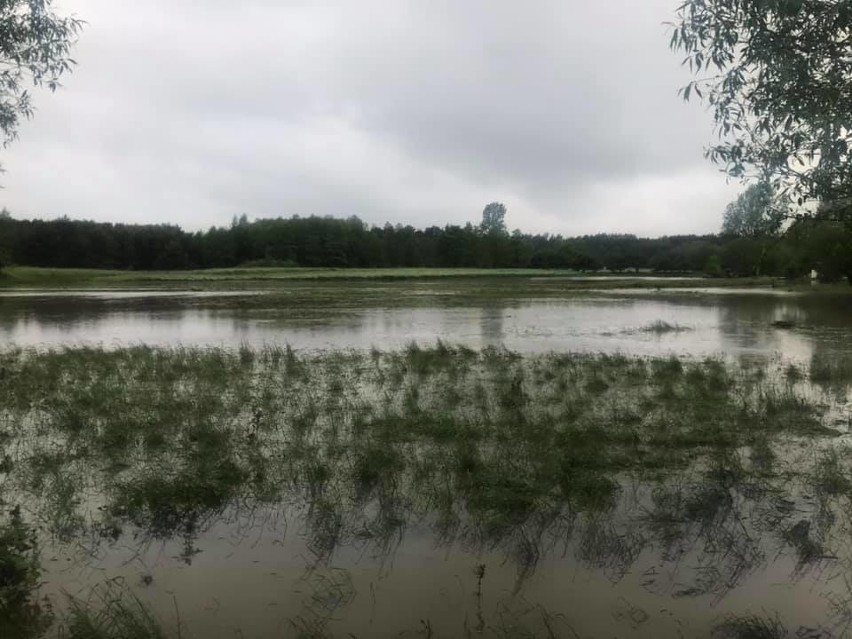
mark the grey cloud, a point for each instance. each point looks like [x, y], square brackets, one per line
[394, 110]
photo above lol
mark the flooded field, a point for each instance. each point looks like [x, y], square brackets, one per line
[531, 316]
[288, 463]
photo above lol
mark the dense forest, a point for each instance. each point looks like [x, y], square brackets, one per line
[324, 241]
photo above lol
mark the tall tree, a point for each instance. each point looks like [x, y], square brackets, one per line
[753, 214]
[754, 219]
[823, 245]
[35, 46]
[778, 77]
[7, 229]
[494, 219]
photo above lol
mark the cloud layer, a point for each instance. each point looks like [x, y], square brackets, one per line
[393, 110]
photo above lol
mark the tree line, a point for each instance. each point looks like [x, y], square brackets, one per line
[776, 75]
[825, 246]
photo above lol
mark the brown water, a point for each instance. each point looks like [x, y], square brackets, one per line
[254, 570]
[251, 580]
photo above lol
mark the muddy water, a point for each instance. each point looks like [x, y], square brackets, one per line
[247, 580]
[693, 322]
[255, 572]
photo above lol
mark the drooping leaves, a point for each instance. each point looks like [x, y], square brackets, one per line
[777, 75]
[35, 47]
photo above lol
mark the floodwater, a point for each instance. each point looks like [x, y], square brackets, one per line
[247, 580]
[685, 322]
[255, 571]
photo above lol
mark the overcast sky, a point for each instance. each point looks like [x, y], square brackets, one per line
[401, 111]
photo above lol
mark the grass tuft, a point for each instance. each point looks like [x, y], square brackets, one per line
[113, 612]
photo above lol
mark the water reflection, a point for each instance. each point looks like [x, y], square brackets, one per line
[491, 325]
[635, 323]
[748, 328]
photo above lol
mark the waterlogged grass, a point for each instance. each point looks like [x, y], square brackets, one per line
[508, 435]
[831, 369]
[660, 327]
[113, 612]
[36, 276]
[21, 615]
[750, 627]
[612, 455]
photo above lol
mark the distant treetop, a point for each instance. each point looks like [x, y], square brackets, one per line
[754, 213]
[494, 219]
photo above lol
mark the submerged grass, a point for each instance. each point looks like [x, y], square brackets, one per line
[21, 615]
[58, 277]
[750, 627]
[198, 427]
[112, 612]
[484, 448]
[828, 369]
[36, 276]
[660, 327]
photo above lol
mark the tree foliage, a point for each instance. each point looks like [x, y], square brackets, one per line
[825, 243]
[778, 77]
[494, 218]
[753, 214]
[35, 46]
[350, 243]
